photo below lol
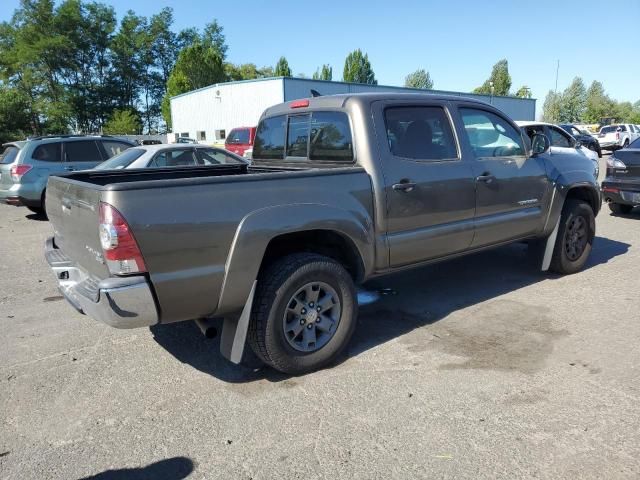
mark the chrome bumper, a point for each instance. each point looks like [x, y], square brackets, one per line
[124, 302]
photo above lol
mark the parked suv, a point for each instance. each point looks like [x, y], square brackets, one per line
[25, 166]
[613, 137]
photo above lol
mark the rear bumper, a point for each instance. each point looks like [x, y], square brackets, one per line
[21, 195]
[624, 193]
[125, 302]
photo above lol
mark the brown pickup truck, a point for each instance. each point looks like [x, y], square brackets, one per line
[342, 189]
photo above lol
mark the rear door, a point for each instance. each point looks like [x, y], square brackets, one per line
[111, 148]
[511, 189]
[81, 155]
[429, 186]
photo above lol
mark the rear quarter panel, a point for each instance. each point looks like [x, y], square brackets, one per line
[186, 231]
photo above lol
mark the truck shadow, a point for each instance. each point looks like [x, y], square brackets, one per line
[411, 300]
[174, 468]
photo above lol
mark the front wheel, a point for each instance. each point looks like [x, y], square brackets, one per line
[304, 313]
[575, 237]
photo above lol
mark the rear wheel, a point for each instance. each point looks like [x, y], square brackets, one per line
[37, 210]
[575, 237]
[626, 143]
[618, 208]
[304, 313]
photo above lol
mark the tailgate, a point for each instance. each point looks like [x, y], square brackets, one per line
[73, 209]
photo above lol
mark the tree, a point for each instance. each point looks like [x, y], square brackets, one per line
[357, 69]
[573, 102]
[213, 37]
[123, 122]
[598, 105]
[323, 73]
[282, 68]
[199, 65]
[419, 79]
[524, 92]
[551, 108]
[14, 114]
[500, 78]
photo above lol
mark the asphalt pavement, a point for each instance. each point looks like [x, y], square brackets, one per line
[481, 367]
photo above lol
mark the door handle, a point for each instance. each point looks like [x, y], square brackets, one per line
[404, 186]
[485, 177]
[69, 169]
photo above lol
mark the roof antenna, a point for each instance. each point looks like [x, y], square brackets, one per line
[315, 93]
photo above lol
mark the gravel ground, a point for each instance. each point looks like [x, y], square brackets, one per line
[481, 367]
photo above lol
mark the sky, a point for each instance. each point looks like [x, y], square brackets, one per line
[456, 41]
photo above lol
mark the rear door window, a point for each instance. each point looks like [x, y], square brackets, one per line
[420, 133]
[49, 152]
[8, 154]
[82, 151]
[174, 158]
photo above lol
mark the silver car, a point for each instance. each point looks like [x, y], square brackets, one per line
[25, 166]
[171, 155]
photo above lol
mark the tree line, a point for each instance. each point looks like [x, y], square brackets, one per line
[578, 104]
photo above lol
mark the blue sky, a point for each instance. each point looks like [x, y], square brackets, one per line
[456, 41]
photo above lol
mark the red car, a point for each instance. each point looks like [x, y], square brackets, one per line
[240, 139]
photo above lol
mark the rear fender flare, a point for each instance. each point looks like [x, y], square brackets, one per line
[257, 229]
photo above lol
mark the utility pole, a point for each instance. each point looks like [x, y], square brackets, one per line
[557, 69]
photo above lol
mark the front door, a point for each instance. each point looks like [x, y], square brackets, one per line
[511, 188]
[429, 188]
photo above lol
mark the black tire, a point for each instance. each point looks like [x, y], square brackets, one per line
[36, 210]
[626, 143]
[617, 208]
[567, 258]
[276, 289]
[599, 150]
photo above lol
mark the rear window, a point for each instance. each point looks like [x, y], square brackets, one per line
[49, 152]
[8, 154]
[316, 136]
[239, 135]
[635, 143]
[123, 160]
[609, 129]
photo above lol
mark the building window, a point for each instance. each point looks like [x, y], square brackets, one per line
[185, 135]
[201, 135]
[221, 134]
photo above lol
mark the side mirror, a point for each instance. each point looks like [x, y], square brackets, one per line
[578, 144]
[539, 144]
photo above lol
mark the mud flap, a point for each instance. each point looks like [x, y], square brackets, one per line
[550, 245]
[234, 331]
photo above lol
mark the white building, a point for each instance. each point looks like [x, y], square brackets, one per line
[209, 113]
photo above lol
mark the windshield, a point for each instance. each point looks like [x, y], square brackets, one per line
[8, 154]
[121, 160]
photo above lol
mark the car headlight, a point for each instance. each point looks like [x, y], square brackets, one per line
[613, 162]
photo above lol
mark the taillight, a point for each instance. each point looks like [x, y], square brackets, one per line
[120, 248]
[18, 171]
[617, 135]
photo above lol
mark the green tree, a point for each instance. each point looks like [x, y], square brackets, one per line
[323, 73]
[14, 114]
[500, 78]
[419, 79]
[524, 92]
[212, 36]
[598, 105]
[573, 102]
[282, 68]
[198, 66]
[123, 122]
[357, 69]
[552, 107]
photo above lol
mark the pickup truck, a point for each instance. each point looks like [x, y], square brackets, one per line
[613, 137]
[342, 189]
